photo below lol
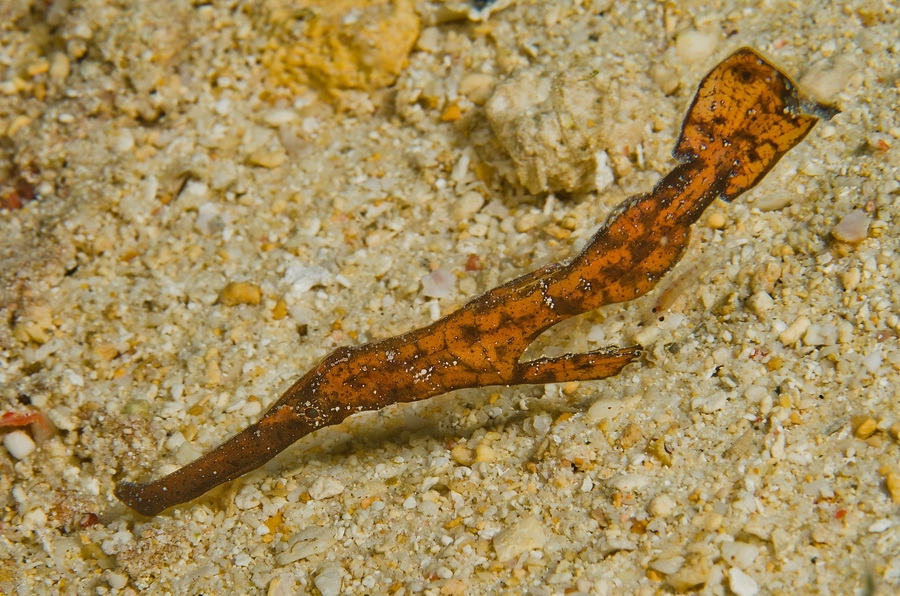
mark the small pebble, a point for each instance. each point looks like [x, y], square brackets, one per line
[477, 87]
[60, 66]
[440, 283]
[36, 518]
[186, 453]
[604, 176]
[739, 554]
[880, 526]
[308, 541]
[853, 227]
[695, 573]
[116, 581]
[278, 116]
[741, 583]
[527, 222]
[281, 585]
[863, 426]
[604, 409]
[123, 141]
[850, 279]
[325, 487]
[760, 303]
[792, 334]
[462, 455]
[527, 534]
[330, 580]
[19, 444]
[774, 201]
[38, 68]
[629, 482]
[267, 158]
[485, 453]
[240, 292]
[280, 310]
[716, 221]
[708, 520]
[693, 46]
[631, 434]
[668, 565]
[665, 77]
[820, 535]
[429, 40]
[820, 335]
[894, 431]
[467, 205]
[892, 482]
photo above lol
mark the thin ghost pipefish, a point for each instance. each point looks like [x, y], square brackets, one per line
[746, 115]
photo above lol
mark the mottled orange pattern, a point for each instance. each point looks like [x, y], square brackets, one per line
[745, 116]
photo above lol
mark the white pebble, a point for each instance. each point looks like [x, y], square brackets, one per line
[123, 141]
[186, 453]
[694, 46]
[603, 409]
[440, 283]
[792, 334]
[282, 585]
[527, 534]
[477, 87]
[774, 201]
[116, 581]
[853, 227]
[36, 518]
[820, 335]
[873, 361]
[741, 583]
[430, 41]
[850, 279]
[279, 116]
[604, 177]
[19, 444]
[739, 554]
[587, 485]
[329, 581]
[468, 205]
[647, 335]
[662, 506]
[760, 302]
[175, 441]
[668, 565]
[325, 487]
[309, 541]
[223, 106]
[710, 403]
[542, 423]
[629, 482]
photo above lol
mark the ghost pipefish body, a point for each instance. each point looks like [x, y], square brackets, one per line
[745, 117]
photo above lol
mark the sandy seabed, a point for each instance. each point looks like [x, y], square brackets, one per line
[752, 450]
